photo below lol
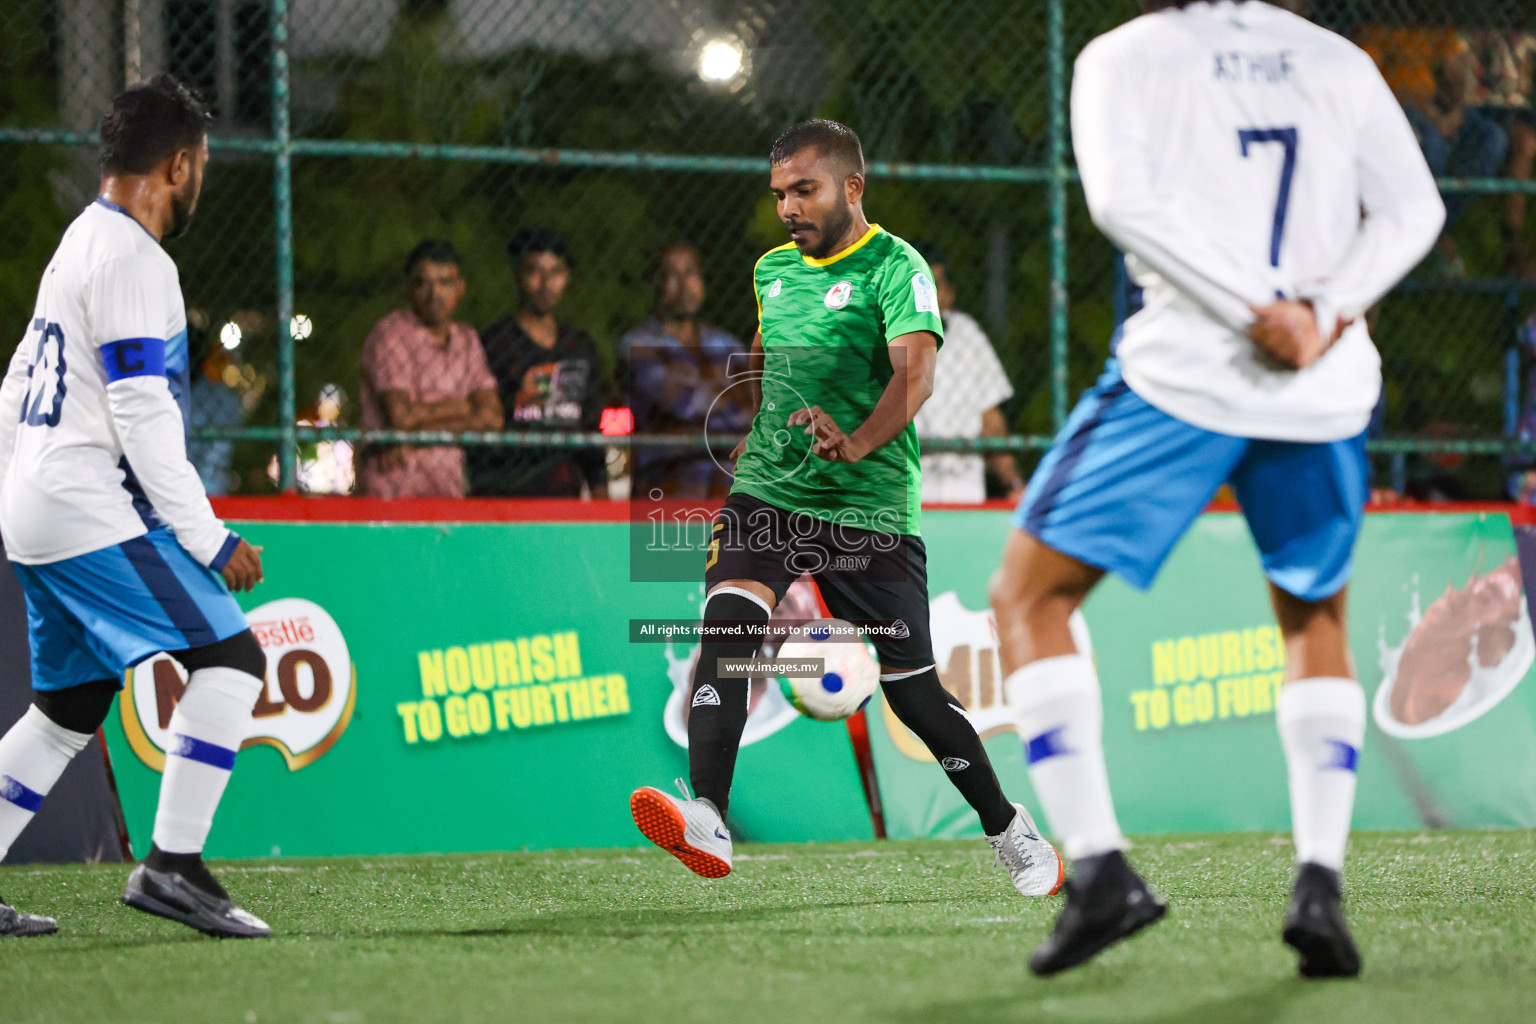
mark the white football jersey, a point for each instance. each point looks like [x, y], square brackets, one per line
[1239, 153]
[93, 413]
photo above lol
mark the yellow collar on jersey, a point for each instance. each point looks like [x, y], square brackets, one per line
[874, 229]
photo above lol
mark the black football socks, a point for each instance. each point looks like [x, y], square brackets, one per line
[717, 711]
[936, 718]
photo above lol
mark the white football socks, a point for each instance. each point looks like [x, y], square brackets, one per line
[1061, 719]
[1322, 726]
[33, 754]
[211, 721]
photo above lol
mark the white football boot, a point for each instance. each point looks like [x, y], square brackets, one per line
[690, 830]
[1033, 864]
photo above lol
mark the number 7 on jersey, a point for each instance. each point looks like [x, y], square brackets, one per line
[1285, 137]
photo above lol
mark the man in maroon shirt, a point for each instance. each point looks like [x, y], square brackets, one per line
[550, 378]
[422, 370]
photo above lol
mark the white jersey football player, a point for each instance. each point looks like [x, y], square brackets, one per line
[1267, 190]
[106, 522]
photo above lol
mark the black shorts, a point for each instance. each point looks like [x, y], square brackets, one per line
[862, 575]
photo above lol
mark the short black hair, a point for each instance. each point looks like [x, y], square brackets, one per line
[834, 141]
[431, 250]
[148, 123]
[653, 266]
[932, 252]
[539, 239]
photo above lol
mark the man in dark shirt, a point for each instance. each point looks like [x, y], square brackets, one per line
[677, 369]
[549, 377]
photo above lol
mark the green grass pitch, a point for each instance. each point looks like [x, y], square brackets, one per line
[904, 932]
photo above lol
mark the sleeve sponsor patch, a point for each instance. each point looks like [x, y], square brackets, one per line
[925, 298]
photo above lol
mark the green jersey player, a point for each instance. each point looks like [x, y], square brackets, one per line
[827, 483]
[833, 331]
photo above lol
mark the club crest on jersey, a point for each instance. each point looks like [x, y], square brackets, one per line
[839, 294]
[773, 292]
[306, 705]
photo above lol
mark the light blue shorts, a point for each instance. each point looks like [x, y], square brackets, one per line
[1124, 480]
[93, 616]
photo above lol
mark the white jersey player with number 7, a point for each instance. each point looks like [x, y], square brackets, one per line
[1267, 190]
[107, 524]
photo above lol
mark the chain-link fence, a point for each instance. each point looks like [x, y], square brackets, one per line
[346, 131]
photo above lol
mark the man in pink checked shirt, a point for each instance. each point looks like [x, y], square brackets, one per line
[422, 370]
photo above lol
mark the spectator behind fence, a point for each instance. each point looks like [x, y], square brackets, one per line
[550, 378]
[214, 404]
[423, 370]
[969, 384]
[1506, 66]
[1433, 73]
[677, 371]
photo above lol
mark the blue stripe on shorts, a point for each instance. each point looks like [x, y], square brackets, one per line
[167, 589]
[1076, 437]
[1124, 480]
[93, 616]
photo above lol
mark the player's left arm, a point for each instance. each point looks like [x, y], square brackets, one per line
[127, 304]
[1401, 210]
[13, 393]
[914, 330]
[149, 426]
[913, 357]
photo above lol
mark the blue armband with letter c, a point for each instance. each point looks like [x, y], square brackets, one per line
[134, 357]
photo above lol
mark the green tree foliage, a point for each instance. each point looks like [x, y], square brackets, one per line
[356, 218]
[924, 84]
[31, 219]
[937, 83]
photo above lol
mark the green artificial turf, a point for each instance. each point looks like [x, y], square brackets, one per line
[902, 932]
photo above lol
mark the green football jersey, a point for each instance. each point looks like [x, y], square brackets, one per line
[826, 326]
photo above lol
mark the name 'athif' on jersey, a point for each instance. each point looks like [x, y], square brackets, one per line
[1239, 153]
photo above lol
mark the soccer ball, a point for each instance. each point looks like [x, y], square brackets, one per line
[850, 674]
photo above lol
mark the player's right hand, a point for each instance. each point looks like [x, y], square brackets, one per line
[243, 570]
[1286, 331]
